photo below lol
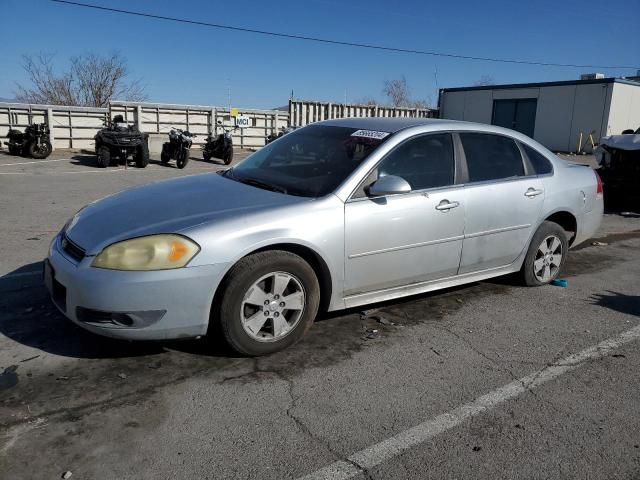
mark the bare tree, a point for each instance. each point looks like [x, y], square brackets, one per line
[397, 91]
[399, 95]
[92, 81]
[484, 80]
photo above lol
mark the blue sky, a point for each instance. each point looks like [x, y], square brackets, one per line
[188, 64]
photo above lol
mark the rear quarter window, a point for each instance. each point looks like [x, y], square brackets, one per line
[541, 164]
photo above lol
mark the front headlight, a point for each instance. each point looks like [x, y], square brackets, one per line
[155, 252]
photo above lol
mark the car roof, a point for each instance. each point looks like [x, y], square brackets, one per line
[391, 125]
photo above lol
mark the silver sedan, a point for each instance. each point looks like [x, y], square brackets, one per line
[334, 215]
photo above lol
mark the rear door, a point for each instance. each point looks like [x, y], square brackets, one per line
[503, 200]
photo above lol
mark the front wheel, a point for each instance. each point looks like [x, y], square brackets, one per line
[228, 156]
[184, 158]
[104, 157]
[206, 156]
[269, 300]
[39, 150]
[546, 255]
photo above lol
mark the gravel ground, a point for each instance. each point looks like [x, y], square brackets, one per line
[103, 409]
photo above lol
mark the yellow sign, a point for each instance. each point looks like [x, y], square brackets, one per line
[234, 112]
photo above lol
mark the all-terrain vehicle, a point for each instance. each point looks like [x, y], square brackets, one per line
[177, 147]
[119, 141]
[34, 142]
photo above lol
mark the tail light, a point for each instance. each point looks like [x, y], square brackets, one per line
[599, 189]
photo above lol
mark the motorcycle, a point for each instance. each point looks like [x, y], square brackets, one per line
[34, 142]
[177, 147]
[283, 131]
[219, 146]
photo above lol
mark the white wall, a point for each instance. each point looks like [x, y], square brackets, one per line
[563, 111]
[624, 112]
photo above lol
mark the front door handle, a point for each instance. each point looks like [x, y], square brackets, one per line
[533, 192]
[446, 205]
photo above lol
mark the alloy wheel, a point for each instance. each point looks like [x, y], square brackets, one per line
[548, 259]
[272, 306]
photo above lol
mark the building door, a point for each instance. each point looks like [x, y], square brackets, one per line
[518, 114]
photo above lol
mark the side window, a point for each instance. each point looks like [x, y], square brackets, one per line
[491, 157]
[425, 162]
[541, 165]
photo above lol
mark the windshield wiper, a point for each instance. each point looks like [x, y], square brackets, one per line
[264, 185]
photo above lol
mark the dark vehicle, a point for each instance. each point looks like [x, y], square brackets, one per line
[177, 147]
[619, 159]
[119, 141]
[34, 142]
[283, 131]
[219, 146]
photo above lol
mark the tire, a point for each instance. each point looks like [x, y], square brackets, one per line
[164, 155]
[206, 156]
[184, 158]
[228, 313]
[540, 268]
[14, 150]
[228, 156]
[142, 156]
[104, 157]
[39, 152]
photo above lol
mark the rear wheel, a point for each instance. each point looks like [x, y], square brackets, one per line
[546, 255]
[206, 155]
[164, 155]
[39, 151]
[269, 300]
[104, 157]
[142, 156]
[14, 149]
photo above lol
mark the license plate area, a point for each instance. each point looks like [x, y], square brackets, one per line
[57, 290]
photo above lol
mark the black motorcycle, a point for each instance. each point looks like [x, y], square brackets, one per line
[177, 147]
[219, 146]
[34, 142]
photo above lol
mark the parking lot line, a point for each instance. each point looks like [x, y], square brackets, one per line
[37, 161]
[378, 453]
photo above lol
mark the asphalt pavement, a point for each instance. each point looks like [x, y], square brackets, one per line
[491, 380]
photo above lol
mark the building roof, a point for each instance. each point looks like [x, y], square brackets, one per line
[542, 84]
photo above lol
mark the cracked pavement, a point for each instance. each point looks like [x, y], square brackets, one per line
[103, 409]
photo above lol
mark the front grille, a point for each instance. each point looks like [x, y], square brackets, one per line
[71, 249]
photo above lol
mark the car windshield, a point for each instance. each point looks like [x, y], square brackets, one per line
[311, 162]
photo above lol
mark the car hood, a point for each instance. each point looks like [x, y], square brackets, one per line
[168, 207]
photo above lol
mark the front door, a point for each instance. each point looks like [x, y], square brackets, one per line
[503, 203]
[396, 240]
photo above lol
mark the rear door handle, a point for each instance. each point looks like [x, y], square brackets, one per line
[446, 205]
[533, 192]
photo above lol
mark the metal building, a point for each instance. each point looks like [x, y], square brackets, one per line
[557, 114]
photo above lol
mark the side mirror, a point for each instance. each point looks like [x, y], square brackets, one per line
[388, 185]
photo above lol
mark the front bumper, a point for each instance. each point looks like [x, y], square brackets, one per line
[169, 303]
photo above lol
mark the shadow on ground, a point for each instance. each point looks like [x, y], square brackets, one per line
[619, 302]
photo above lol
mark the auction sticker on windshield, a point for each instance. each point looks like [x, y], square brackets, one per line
[370, 134]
